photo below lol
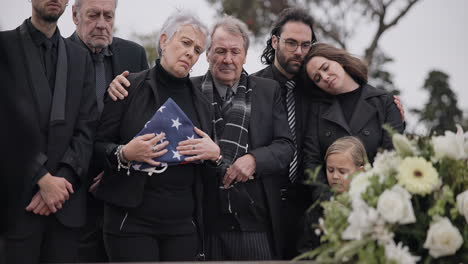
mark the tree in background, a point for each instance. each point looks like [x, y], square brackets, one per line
[441, 112]
[148, 41]
[336, 21]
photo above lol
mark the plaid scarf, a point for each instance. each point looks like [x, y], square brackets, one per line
[231, 130]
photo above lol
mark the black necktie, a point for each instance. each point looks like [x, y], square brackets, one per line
[48, 61]
[100, 71]
[291, 107]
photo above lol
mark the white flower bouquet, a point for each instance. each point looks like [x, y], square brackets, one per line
[410, 207]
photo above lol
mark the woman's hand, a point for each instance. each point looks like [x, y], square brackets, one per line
[200, 148]
[144, 148]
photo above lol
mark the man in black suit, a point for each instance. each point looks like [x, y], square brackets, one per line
[43, 219]
[94, 20]
[241, 195]
[291, 38]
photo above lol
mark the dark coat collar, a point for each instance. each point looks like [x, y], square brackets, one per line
[47, 103]
[362, 113]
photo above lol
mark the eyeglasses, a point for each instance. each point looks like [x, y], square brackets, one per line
[291, 45]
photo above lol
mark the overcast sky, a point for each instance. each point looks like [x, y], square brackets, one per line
[431, 36]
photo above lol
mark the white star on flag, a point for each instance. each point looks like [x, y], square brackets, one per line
[176, 123]
[161, 108]
[176, 155]
[191, 137]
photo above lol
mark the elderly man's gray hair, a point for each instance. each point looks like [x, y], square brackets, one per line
[79, 2]
[233, 26]
[176, 21]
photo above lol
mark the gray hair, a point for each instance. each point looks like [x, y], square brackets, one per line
[178, 19]
[79, 2]
[235, 27]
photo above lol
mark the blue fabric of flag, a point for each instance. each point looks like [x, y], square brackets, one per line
[171, 120]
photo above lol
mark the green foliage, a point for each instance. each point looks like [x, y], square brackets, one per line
[441, 111]
[148, 41]
[455, 173]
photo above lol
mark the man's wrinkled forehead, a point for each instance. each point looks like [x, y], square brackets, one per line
[225, 38]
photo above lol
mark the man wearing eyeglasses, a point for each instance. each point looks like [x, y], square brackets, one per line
[291, 38]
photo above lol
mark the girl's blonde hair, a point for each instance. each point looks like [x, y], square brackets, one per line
[355, 147]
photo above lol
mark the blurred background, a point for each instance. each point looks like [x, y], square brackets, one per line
[415, 48]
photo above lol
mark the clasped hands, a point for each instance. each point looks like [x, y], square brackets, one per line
[53, 193]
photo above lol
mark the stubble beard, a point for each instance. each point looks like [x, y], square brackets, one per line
[286, 65]
[49, 18]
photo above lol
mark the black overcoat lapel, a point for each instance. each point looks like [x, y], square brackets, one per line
[334, 114]
[39, 83]
[364, 111]
[254, 119]
[203, 108]
[151, 80]
[116, 63]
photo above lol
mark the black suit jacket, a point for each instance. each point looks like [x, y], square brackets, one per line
[269, 142]
[66, 121]
[126, 56]
[327, 123]
[302, 103]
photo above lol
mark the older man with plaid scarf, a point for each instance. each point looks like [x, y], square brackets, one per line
[242, 193]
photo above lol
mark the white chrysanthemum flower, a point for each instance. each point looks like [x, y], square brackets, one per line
[451, 145]
[359, 183]
[381, 233]
[361, 220]
[400, 254]
[386, 162]
[394, 205]
[417, 175]
[443, 238]
[462, 204]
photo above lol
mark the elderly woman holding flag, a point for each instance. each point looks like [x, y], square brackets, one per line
[150, 189]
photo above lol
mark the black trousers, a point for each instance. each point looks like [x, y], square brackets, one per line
[91, 248]
[239, 245]
[295, 200]
[50, 242]
[135, 248]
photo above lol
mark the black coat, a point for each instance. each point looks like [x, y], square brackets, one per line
[269, 142]
[119, 125]
[302, 103]
[327, 123]
[299, 196]
[126, 56]
[66, 121]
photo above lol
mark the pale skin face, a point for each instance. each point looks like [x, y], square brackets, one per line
[226, 57]
[339, 167]
[94, 21]
[289, 62]
[182, 51]
[330, 76]
[45, 14]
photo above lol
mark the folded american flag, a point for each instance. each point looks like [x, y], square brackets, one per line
[171, 120]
